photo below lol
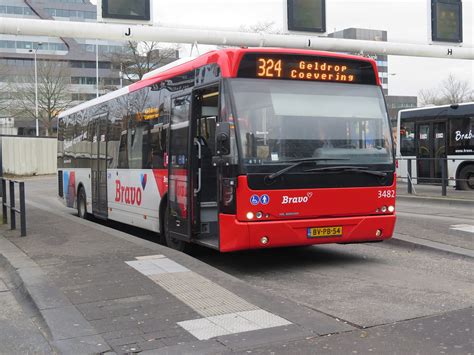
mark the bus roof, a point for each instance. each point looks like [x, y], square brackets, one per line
[454, 110]
[228, 60]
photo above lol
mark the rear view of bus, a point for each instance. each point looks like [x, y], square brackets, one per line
[305, 152]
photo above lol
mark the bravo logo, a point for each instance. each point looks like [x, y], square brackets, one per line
[297, 199]
[130, 195]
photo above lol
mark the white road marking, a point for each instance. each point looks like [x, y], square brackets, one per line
[232, 323]
[224, 312]
[463, 227]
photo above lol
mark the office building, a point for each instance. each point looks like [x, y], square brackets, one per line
[369, 35]
[77, 55]
[397, 103]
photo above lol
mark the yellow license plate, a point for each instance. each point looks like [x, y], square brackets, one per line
[321, 232]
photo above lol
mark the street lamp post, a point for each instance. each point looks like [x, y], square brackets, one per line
[36, 87]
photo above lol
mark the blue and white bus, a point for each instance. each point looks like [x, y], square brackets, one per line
[428, 135]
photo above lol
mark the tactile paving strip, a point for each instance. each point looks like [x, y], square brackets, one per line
[224, 312]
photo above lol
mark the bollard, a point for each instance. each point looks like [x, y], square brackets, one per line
[12, 206]
[22, 210]
[4, 201]
[443, 176]
[410, 188]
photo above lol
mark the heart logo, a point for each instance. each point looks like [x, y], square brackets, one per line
[309, 194]
[143, 180]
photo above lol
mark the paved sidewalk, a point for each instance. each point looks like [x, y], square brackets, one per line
[441, 219]
[432, 193]
[19, 328]
[100, 290]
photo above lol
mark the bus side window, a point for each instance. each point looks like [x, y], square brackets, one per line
[135, 147]
[407, 138]
[117, 116]
[123, 156]
[158, 147]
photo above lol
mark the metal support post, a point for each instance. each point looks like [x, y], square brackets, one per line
[36, 94]
[22, 210]
[4, 201]
[13, 211]
[12, 206]
[443, 176]
[410, 187]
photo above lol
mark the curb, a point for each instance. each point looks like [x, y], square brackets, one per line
[66, 328]
[403, 240]
[436, 200]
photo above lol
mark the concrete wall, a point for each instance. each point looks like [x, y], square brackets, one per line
[28, 155]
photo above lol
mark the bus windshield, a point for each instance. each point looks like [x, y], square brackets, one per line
[281, 121]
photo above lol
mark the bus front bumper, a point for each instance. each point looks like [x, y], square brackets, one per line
[237, 235]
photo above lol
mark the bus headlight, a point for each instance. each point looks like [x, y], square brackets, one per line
[391, 209]
[249, 215]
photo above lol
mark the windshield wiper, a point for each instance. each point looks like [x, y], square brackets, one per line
[297, 162]
[357, 169]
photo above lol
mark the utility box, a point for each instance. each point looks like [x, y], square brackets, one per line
[446, 21]
[306, 15]
[125, 11]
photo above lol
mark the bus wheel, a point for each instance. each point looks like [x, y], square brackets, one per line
[467, 178]
[173, 243]
[82, 204]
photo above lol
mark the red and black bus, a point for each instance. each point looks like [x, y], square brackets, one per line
[238, 149]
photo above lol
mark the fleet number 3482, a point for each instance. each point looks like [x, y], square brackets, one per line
[386, 194]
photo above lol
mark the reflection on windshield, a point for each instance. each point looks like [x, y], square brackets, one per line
[286, 120]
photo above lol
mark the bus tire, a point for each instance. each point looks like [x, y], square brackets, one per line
[82, 204]
[171, 242]
[467, 178]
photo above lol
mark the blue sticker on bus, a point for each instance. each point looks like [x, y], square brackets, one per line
[254, 200]
[264, 199]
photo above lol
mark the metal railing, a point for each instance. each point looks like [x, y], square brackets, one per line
[443, 180]
[12, 205]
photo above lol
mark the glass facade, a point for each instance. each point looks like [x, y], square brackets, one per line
[45, 46]
[18, 56]
[16, 10]
[102, 48]
[75, 14]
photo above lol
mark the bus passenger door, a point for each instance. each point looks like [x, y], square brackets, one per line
[180, 185]
[423, 153]
[204, 117]
[439, 146]
[431, 151]
[99, 168]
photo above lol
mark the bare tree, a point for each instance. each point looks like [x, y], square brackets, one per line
[4, 92]
[54, 95]
[141, 58]
[452, 90]
[261, 27]
[429, 97]
[455, 90]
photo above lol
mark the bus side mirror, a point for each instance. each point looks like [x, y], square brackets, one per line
[223, 138]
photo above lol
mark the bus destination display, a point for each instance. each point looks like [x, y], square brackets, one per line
[309, 68]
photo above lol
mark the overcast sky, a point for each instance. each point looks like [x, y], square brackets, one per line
[405, 20]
